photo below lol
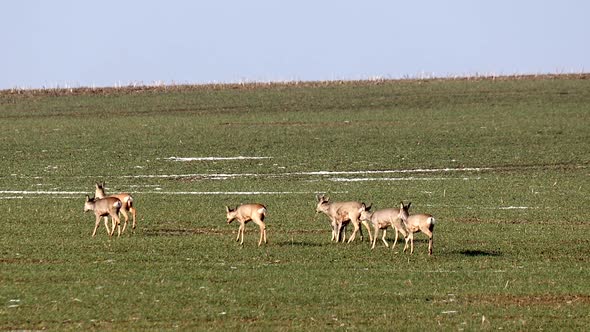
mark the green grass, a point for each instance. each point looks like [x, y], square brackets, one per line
[511, 243]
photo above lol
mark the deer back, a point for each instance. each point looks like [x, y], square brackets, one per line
[246, 212]
[417, 221]
[108, 205]
[386, 216]
[103, 206]
[353, 209]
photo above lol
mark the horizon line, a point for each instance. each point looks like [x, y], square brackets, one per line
[158, 85]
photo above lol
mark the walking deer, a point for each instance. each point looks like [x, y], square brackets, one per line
[245, 213]
[417, 223]
[125, 198]
[104, 207]
[340, 214]
[382, 219]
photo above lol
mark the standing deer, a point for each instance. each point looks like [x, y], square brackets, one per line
[104, 207]
[417, 223]
[125, 198]
[340, 213]
[382, 219]
[246, 212]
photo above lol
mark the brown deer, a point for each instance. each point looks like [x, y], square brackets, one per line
[104, 207]
[417, 223]
[125, 198]
[382, 219]
[245, 213]
[340, 214]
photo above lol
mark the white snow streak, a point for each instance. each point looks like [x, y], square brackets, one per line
[224, 176]
[215, 158]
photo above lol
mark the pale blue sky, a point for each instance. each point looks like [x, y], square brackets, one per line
[105, 43]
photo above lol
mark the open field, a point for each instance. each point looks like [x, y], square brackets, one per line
[504, 166]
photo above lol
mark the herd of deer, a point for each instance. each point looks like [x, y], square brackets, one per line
[340, 214]
[343, 213]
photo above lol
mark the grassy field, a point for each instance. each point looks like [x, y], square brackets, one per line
[503, 164]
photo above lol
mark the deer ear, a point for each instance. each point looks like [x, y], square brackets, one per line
[87, 198]
[368, 208]
[97, 185]
[226, 208]
[409, 205]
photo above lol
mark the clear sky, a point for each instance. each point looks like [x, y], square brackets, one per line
[57, 43]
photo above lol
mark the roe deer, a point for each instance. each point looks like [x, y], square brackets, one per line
[104, 207]
[125, 198]
[382, 219]
[417, 223]
[246, 212]
[340, 213]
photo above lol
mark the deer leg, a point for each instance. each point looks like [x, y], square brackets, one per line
[262, 232]
[133, 214]
[124, 226]
[361, 231]
[96, 225]
[114, 222]
[407, 240]
[334, 236]
[239, 229]
[340, 232]
[118, 222]
[395, 241]
[383, 238]
[124, 213]
[344, 227]
[375, 238]
[430, 235]
[368, 230]
[242, 228]
[106, 225]
[356, 228]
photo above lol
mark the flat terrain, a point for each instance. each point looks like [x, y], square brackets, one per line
[503, 164]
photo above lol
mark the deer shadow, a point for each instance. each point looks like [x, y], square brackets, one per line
[480, 253]
[299, 244]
